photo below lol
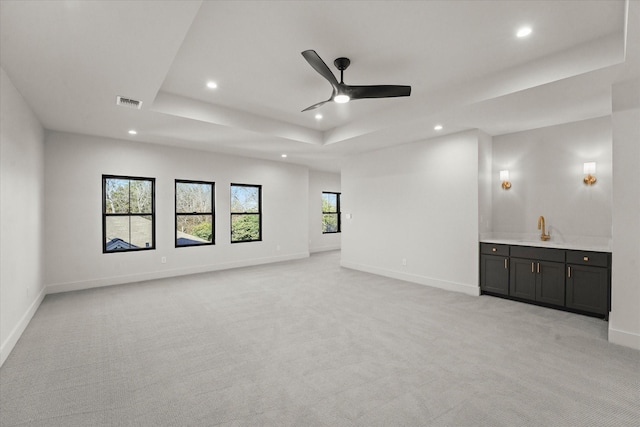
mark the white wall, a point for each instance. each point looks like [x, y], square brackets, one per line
[485, 183]
[74, 165]
[21, 215]
[318, 183]
[624, 320]
[417, 202]
[546, 170]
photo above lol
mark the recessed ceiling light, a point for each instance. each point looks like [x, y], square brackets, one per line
[133, 132]
[318, 116]
[212, 85]
[437, 127]
[283, 156]
[523, 32]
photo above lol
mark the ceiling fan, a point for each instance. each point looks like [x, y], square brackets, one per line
[343, 93]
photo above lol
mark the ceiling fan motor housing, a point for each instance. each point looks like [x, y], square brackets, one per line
[342, 63]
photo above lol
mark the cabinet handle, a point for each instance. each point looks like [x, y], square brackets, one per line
[585, 258]
[569, 272]
[538, 267]
[493, 249]
[505, 263]
[532, 267]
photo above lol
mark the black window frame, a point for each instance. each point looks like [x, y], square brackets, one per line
[337, 213]
[232, 214]
[212, 213]
[105, 215]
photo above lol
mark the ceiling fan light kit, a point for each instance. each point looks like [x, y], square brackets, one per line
[342, 93]
[341, 99]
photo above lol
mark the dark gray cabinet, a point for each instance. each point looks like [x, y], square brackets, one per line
[537, 280]
[550, 285]
[494, 268]
[537, 274]
[578, 281]
[523, 278]
[588, 278]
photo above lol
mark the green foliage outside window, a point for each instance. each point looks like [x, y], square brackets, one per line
[330, 212]
[329, 223]
[245, 213]
[204, 231]
[194, 213]
[245, 228]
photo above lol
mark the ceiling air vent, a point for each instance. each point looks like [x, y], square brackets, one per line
[128, 102]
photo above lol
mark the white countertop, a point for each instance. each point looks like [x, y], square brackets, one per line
[577, 243]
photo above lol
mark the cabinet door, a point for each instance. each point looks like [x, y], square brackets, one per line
[522, 280]
[550, 282]
[587, 288]
[494, 274]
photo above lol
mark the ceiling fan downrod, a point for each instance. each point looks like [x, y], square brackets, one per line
[342, 64]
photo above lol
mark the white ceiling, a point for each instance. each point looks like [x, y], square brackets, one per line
[70, 59]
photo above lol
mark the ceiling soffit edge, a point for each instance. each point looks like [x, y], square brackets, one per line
[585, 58]
[184, 107]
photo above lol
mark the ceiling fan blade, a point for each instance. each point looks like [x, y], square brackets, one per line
[314, 106]
[318, 64]
[352, 92]
[379, 91]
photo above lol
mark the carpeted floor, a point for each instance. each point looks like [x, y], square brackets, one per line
[308, 343]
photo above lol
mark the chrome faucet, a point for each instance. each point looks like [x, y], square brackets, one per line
[543, 236]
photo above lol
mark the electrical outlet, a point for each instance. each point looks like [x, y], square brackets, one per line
[404, 261]
[277, 247]
[163, 260]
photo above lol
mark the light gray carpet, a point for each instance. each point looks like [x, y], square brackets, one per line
[307, 343]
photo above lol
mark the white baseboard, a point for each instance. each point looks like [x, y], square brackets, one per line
[625, 338]
[464, 288]
[324, 248]
[54, 288]
[11, 341]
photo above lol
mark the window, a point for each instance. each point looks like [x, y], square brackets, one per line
[194, 213]
[246, 213]
[330, 212]
[128, 213]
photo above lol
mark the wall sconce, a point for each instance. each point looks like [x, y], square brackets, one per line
[504, 177]
[589, 171]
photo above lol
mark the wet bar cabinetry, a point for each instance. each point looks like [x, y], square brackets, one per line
[494, 268]
[589, 281]
[572, 280]
[537, 274]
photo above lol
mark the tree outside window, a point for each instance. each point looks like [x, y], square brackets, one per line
[194, 213]
[330, 212]
[128, 213]
[246, 213]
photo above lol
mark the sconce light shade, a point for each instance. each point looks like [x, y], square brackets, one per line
[504, 177]
[589, 171]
